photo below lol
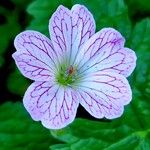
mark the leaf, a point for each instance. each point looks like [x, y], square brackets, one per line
[19, 132]
[82, 144]
[15, 79]
[139, 41]
[11, 25]
[138, 6]
[132, 130]
[41, 10]
[21, 4]
[8, 30]
[102, 136]
[109, 13]
[112, 14]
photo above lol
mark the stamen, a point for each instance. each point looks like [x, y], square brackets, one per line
[71, 71]
[67, 75]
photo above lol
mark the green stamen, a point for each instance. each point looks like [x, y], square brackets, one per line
[67, 75]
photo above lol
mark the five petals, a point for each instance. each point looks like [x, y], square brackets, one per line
[101, 59]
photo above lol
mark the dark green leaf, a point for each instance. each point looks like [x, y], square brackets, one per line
[8, 30]
[138, 6]
[19, 132]
[97, 135]
[17, 83]
[109, 13]
[41, 10]
[140, 42]
[21, 4]
[132, 130]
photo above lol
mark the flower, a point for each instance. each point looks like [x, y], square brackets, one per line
[76, 66]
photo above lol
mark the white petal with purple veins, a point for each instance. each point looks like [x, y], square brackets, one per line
[104, 94]
[35, 56]
[69, 29]
[83, 28]
[105, 51]
[55, 106]
[74, 67]
[60, 30]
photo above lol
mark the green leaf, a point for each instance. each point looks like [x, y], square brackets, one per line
[132, 130]
[21, 4]
[140, 42]
[108, 13]
[8, 30]
[11, 25]
[94, 135]
[15, 80]
[42, 10]
[138, 6]
[19, 132]
[139, 39]
[81, 144]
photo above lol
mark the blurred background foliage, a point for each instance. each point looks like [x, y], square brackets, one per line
[131, 131]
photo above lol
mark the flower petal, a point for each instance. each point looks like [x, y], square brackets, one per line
[70, 29]
[105, 51]
[35, 56]
[83, 28]
[53, 105]
[82, 18]
[104, 94]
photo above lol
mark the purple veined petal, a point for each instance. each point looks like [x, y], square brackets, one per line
[104, 94]
[51, 104]
[69, 29]
[83, 28]
[35, 56]
[105, 51]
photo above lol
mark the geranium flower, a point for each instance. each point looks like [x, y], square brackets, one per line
[76, 66]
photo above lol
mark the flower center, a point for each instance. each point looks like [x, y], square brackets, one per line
[66, 75]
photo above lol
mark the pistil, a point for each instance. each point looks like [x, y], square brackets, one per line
[66, 75]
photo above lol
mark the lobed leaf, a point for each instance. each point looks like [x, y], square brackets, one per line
[19, 132]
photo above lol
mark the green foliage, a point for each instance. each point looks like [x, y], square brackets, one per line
[112, 14]
[86, 135]
[41, 10]
[10, 26]
[109, 13]
[131, 131]
[16, 79]
[19, 132]
[7, 30]
[136, 6]
[21, 4]
[139, 41]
